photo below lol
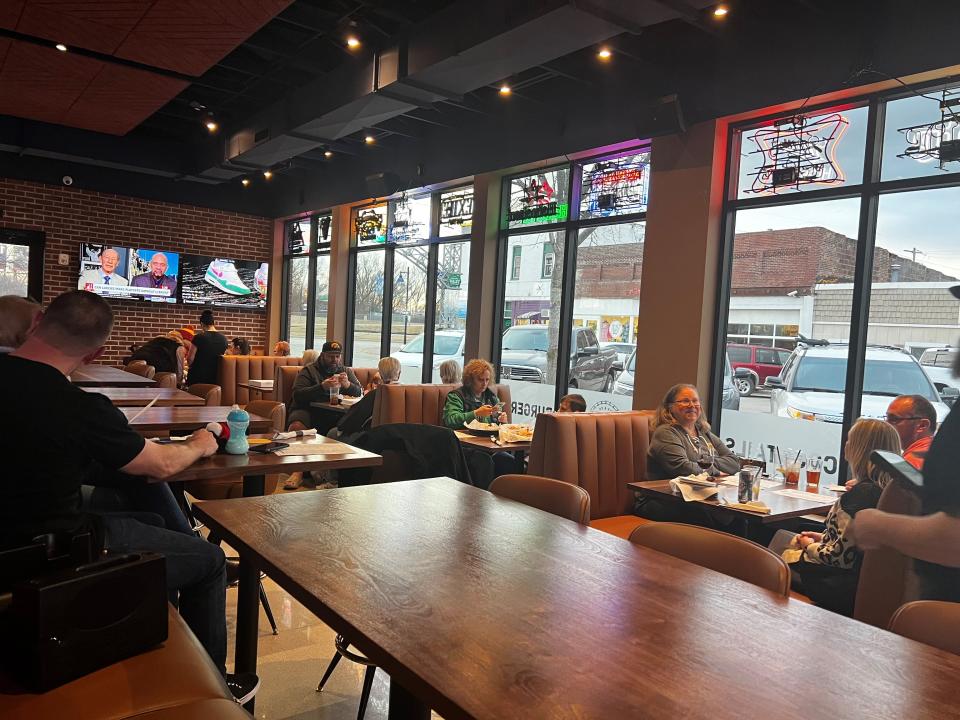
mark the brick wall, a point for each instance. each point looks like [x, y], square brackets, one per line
[69, 217]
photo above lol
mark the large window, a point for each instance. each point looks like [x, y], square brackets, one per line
[572, 251]
[410, 287]
[796, 269]
[306, 279]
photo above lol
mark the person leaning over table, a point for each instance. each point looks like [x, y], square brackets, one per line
[313, 384]
[681, 436]
[474, 400]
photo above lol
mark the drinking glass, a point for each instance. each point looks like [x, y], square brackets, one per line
[334, 395]
[757, 485]
[814, 466]
[792, 464]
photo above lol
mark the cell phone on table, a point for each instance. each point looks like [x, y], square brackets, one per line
[269, 447]
[898, 468]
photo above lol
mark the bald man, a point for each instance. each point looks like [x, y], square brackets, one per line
[157, 277]
[106, 275]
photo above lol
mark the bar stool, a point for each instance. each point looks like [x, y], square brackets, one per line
[343, 650]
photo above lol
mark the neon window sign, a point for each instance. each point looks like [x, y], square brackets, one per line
[937, 141]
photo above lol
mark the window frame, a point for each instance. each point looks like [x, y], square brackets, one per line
[317, 248]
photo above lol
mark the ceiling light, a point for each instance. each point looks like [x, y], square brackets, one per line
[353, 42]
[505, 89]
[328, 154]
[245, 182]
[604, 53]
[211, 125]
[268, 174]
[61, 47]
[369, 139]
[720, 11]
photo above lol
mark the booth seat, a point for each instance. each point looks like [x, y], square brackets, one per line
[285, 375]
[234, 369]
[600, 452]
[175, 680]
[419, 403]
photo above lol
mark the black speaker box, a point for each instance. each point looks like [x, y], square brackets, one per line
[67, 624]
[663, 116]
[383, 184]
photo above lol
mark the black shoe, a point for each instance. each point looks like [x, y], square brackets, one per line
[233, 572]
[244, 686]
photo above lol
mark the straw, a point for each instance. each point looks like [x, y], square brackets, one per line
[145, 408]
[797, 458]
[779, 459]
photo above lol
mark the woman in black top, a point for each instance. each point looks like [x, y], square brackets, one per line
[207, 348]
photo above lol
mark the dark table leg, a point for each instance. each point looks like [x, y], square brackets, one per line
[248, 615]
[253, 485]
[404, 706]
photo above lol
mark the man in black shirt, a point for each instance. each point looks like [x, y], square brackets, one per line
[313, 384]
[207, 348]
[60, 437]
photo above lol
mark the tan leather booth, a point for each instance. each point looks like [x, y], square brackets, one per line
[235, 369]
[284, 377]
[600, 452]
[174, 680]
[887, 579]
[419, 403]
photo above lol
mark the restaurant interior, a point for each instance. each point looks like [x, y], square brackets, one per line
[342, 381]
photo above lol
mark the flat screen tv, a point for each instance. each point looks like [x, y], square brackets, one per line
[118, 272]
[223, 282]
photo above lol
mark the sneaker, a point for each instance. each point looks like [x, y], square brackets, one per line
[222, 274]
[261, 277]
[244, 686]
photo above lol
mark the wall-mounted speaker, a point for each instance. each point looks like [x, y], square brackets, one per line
[663, 116]
[383, 184]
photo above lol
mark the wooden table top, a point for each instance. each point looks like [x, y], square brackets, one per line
[141, 396]
[482, 442]
[104, 375]
[485, 608]
[341, 408]
[222, 464]
[187, 418]
[781, 507]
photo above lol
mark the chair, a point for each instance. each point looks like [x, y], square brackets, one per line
[553, 496]
[932, 622]
[166, 379]
[887, 580]
[140, 367]
[718, 551]
[208, 391]
[600, 452]
[343, 650]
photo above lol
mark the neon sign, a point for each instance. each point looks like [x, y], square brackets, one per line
[369, 226]
[798, 151]
[615, 187]
[937, 141]
[456, 210]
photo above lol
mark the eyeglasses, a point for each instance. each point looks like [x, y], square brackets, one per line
[686, 403]
[894, 419]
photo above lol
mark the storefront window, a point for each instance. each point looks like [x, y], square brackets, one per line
[915, 130]
[297, 288]
[456, 212]
[368, 308]
[409, 302]
[410, 220]
[321, 288]
[450, 319]
[539, 199]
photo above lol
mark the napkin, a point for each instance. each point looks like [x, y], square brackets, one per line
[701, 479]
[754, 506]
[692, 492]
[309, 432]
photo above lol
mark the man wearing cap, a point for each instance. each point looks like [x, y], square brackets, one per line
[313, 384]
[934, 536]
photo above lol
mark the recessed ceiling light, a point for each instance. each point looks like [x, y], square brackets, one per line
[211, 125]
[328, 153]
[353, 42]
[369, 139]
[61, 47]
[268, 174]
[245, 182]
[604, 53]
[720, 11]
[505, 89]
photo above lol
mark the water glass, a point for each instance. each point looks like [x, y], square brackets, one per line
[334, 395]
[814, 466]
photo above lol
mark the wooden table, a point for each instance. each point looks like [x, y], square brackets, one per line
[485, 443]
[781, 507]
[339, 409]
[141, 396]
[481, 607]
[187, 418]
[106, 376]
[264, 391]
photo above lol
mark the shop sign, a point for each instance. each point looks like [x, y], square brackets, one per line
[369, 226]
[456, 210]
[615, 187]
[797, 152]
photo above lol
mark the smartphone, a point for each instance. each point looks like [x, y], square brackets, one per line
[898, 468]
[269, 447]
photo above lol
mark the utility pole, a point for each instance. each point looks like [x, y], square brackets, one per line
[914, 252]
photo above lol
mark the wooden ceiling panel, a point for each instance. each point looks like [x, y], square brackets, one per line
[41, 83]
[100, 26]
[10, 13]
[120, 98]
[190, 36]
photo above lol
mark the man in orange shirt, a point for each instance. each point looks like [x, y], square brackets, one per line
[915, 420]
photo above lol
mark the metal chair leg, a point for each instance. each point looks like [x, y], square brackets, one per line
[365, 693]
[329, 671]
[266, 608]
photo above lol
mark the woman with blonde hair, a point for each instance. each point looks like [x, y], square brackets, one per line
[449, 372]
[827, 562]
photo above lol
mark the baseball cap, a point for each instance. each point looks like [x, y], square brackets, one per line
[956, 291]
[332, 347]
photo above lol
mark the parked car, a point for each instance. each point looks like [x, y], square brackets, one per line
[938, 364]
[812, 383]
[622, 349]
[760, 361]
[729, 401]
[523, 356]
[447, 345]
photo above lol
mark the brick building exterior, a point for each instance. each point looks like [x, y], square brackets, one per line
[69, 217]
